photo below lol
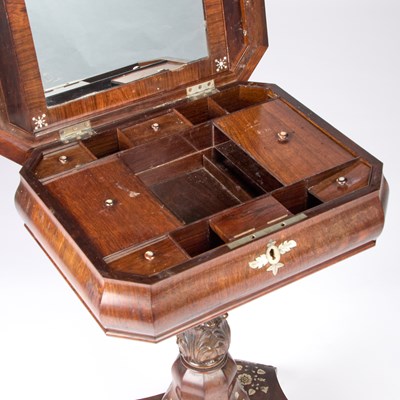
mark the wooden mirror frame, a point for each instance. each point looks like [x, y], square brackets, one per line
[237, 39]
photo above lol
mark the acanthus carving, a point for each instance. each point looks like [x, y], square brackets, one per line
[206, 345]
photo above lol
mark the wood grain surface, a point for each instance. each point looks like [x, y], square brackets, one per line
[194, 194]
[307, 152]
[229, 35]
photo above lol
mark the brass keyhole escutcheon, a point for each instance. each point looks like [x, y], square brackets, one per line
[273, 255]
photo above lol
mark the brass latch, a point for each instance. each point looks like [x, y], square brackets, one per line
[76, 132]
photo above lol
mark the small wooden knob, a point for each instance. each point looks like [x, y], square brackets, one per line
[341, 181]
[63, 159]
[283, 136]
[155, 127]
[149, 255]
[109, 202]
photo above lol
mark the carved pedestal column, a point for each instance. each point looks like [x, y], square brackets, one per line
[205, 370]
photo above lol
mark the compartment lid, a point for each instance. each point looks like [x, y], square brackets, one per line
[62, 63]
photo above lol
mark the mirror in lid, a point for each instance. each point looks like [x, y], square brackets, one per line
[112, 43]
[63, 63]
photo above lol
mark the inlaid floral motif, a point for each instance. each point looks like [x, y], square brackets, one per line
[40, 122]
[245, 379]
[272, 256]
[221, 64]
[252, 379]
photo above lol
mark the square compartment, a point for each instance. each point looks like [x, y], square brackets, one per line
[241, 96]
[202, 110]
[189, 189]
[235, 159]
[296, 198]
[107, 143]
[197, 238]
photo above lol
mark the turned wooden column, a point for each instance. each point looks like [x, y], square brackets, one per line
[205, 370]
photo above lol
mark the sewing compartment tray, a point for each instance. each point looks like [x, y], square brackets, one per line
[172, 216]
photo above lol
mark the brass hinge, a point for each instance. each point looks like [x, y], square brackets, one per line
[76, 132]
[200, 90]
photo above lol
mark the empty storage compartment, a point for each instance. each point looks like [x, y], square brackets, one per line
[200, 136]
[197, 238]
[107, 143]
[242, 96]
[202, 110]
[162, 151]
[232, 157]
[189, 189]
[296, 198]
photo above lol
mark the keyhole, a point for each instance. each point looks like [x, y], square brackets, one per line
[273, 255]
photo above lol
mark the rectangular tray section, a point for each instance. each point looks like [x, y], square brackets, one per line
[195, 178]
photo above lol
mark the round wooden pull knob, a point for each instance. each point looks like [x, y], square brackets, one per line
[155, 127]
[63, 160]
[109, 203]
[149, 255]
[341, 181]
[283, 136]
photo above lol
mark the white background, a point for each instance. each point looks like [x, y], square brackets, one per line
[333, 335]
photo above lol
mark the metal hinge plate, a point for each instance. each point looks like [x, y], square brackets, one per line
[76, 132]
[201, 89]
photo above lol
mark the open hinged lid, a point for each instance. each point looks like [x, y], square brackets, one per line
[56, 58]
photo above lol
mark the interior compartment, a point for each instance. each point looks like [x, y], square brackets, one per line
[189, 189]
[107, 143]
[296, 198]
[63, 159]
[241, 96]
[163, 125]
[151, 155]
[197, 238]
[201, 136]
[203, 110]
[232, 157]
[242, 189]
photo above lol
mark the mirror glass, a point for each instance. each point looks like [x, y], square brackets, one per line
[92, 45]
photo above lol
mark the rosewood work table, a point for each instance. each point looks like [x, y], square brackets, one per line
[172, 190]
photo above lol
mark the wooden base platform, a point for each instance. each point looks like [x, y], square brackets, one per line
[259, 381]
